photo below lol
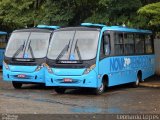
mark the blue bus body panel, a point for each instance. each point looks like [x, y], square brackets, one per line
[3, 33]
[64, 72]
[124, 69]
[2, 49]
[120, 70]
[49, 27]
[1, 56]
[78, 79]
[29, 71]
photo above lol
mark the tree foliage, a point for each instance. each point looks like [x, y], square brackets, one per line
[20, 13]
[152, 13]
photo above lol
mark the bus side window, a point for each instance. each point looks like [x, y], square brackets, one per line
[139, 43]
[118, 44]
[3, 41]
[148, 44]
[129, 44]
[106, 44]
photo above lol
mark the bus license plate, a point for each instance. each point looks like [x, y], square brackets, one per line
[21, 76]
[67, 80]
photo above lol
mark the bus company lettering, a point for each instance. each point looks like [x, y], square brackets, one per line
[123, 63]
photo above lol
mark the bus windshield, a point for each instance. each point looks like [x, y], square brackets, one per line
[73, 45]
[28, 44]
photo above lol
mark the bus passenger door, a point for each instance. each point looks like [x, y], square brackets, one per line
[105, 50]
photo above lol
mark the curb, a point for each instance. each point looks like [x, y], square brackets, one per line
[153, 85]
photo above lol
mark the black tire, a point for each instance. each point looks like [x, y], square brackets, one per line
[101, 89]
[136, 83]
[60, 90]
[16, 85]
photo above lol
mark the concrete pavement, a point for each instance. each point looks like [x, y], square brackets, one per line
[153, 81]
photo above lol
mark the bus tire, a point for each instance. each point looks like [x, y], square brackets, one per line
[60, 90]
[16, 85]
[138, 79]
[101, 89]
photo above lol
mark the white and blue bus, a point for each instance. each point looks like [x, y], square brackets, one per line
[97, 56]
[3, 43]
[25, 55]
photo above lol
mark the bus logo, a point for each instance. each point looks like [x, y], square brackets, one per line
[123, 63]
[72, 57]
[25, 55]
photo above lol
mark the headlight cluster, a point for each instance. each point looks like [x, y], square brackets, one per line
[39, 67]
[6, 65]
[49, 69]
[87, 70]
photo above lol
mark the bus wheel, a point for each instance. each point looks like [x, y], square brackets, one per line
[101, 89]
[60, 90]
[138, 79]
[16, 85]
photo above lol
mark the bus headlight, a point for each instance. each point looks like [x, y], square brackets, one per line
[39, 67]
[6, 65]
[49, 69]
[87, 70]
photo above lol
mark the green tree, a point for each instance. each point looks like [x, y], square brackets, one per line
[56, 12]
[19, 13]
[116, 12]
[152, 13]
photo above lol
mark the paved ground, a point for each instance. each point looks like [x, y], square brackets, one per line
[153, 82]
[36, 99]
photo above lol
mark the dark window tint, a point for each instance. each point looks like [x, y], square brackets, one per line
[139, 43]
[3, 41]
[106, 44]
[148, 44]
[129, 43]
[119, 46]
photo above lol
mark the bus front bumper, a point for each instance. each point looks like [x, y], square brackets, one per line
[87, 80]
[24, 77]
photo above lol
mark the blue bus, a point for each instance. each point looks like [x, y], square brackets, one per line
[98, 56]
[3, 43]
[25, 55]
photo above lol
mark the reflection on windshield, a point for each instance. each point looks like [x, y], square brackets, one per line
[19, 50]
[37, 47]
[83, 45]
[31, 50]
[77, 49]
[65, 49]
[15, 42]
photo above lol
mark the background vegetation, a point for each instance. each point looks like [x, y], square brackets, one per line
[16, 14]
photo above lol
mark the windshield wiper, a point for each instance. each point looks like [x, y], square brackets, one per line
[78, 52]
[19, 50]
[31, 50]
[63, 51]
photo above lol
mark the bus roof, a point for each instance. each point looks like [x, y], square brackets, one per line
[33, 30]
[116, 28]
[39, 28]
[3, 33]
[125, 29]
[81, 28]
